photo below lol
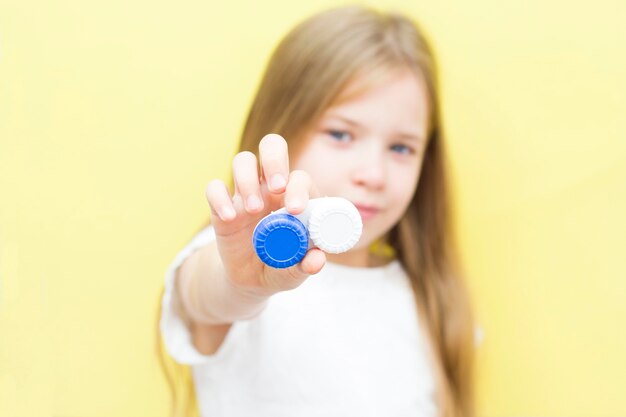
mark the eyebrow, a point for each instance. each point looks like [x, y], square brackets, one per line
[405, 135]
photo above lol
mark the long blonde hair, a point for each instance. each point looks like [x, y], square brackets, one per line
[306, 74]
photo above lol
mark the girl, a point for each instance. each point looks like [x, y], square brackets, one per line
[384, 329]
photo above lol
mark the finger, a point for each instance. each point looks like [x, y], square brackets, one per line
[298, 191]
[246, 178]
[311, 264]
[219, 200]
[274, 162]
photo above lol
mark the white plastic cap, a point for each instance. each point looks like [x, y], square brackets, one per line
[335, 225]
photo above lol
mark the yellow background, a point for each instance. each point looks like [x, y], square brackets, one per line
[115, 114]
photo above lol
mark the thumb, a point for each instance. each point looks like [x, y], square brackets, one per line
[311, 264]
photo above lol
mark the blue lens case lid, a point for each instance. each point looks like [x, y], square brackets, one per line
[280, 240]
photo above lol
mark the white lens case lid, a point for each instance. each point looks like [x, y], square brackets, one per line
[335, 225]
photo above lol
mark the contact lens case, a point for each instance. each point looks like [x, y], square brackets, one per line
[332, 224]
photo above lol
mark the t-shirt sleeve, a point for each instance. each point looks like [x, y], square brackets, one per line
[174, 330]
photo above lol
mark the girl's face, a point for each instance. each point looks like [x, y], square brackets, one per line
[369, 150]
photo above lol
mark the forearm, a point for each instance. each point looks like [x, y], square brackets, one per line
[207, 296]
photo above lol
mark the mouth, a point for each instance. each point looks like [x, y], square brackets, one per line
[367, 212]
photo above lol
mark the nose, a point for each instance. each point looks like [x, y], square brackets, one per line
[369, 168]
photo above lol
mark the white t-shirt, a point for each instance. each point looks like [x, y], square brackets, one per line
[345, 342]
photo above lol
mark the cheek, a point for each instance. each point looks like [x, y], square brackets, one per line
[402, 193]
[399, 207]
[404, 187]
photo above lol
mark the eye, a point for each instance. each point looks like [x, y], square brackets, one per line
[402, 149]
[340, 135]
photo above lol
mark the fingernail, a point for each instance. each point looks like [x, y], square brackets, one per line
[253, 202]
[278, 181]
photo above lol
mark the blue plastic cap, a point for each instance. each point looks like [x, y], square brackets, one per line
[280, 240]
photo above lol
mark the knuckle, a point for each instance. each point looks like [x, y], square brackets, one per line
[248, 185]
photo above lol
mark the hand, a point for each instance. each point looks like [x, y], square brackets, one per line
[256, 195]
